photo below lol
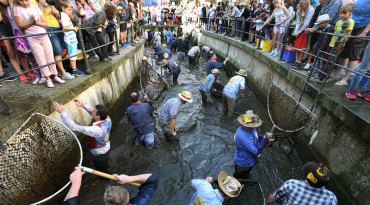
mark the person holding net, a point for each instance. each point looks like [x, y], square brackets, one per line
[98, 133]
[116, 194]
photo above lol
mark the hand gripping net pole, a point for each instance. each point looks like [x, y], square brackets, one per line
[147, 72]
[286, 113]
[35, 163]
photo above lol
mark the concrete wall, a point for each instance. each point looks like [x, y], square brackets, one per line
[342, 147]
[105, 86]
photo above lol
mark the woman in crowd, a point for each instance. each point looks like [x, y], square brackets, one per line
[281, 15]
[94, 34]
[30, 19]
[52, 16]
[12, 53]
[304, 13]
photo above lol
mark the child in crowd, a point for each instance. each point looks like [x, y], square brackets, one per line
[111, 31]
[123, 25]
[70, 38]
[344, 25]
[259, 20]
[30, 19]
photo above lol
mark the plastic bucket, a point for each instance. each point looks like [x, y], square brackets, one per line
[261, 46]
[267, 46]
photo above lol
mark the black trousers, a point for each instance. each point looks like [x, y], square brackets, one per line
[174, 78]
[204, 97]
[112, 37]
[101, 162]
[98, 40]
[242, 172]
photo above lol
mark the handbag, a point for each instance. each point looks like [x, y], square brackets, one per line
[21, 44]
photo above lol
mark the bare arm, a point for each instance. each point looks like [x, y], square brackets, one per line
[75, 178]
[42, 23]
[173, 125]
[268, 20]
[24, 25]
[125, 179]
[270, 200]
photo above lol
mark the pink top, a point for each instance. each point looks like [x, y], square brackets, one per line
[89, 12]
[25, 14]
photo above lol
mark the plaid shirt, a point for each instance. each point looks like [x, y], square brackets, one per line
[301, 192]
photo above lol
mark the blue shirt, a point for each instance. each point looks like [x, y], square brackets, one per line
[205, 193]
[249, 144]
[166, 53]
[169, 35]
[361, 13]
[173, 68]
[139, 116]
[170, 109]
[146, 191]
[235, 84]
[206, 87]
[212, 65]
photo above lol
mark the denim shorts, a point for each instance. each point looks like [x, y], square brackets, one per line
[57, 40]
[4, 30]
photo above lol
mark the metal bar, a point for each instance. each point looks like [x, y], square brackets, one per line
[88, 70]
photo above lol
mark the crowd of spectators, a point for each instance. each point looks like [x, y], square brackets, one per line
[100, 22]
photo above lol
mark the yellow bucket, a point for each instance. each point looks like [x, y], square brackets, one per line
[261, 46]
[267, 46]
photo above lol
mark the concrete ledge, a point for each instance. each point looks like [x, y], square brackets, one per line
[104, 86]
[331, 99]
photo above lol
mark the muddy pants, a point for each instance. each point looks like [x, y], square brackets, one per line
[101, 162]
[228, 105]
[204, 98]
[242, 172]
[166, 129]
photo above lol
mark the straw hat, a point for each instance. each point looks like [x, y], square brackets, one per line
[215, 71]
[153, 79]
[241, 72]
[323, 18]
[164, 45]
[249, 120]
[185, 95]
[164, 62]
[145, 58]
[229, 185]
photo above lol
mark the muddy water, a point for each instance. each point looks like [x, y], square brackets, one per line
[200, 152]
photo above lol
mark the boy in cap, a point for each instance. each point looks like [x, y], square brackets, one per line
[229, 187]
[249, 144]
[308, 191]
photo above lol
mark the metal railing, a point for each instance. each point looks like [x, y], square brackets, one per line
[3, 105]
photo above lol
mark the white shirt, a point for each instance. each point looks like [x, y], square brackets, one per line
[194, 51]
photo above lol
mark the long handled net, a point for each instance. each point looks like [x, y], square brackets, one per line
[35, 163]
[286, 113]
[146, 73]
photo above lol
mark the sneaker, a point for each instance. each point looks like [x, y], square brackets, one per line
[37, 79]
[57, 79]
[77, 72]
[272, 53]
[68, 76]
[341, 83]
[23, 78]
[49, 83]
[307, 66]
[276, 54]
[94, 57]
[351, 95]
[297, 65]
[7, 77]
[31, 75]
[42, 80]
[366, 96]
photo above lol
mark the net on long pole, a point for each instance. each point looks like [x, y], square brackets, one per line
[35, 163]
[286, 113]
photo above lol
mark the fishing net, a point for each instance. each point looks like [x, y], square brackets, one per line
[35, 163]
[286, 113]
[146, 73]
[216, 90]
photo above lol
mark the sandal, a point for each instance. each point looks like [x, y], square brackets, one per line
[42, 80]
[57, 79]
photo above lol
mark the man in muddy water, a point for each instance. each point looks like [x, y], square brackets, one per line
[116, 194]
[98, 133]
[229, 187]
[169, 112]
[212, 63]
[194, 54]
[173, 69]
[139, 114]
[311, 190]
[205, 89]
[249, 144]
[235, 85]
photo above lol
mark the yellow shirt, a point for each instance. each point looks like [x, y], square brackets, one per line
[338, 28]
[49, 15]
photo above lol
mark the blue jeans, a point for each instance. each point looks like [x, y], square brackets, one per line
[237, 28]
[362, 69]
[57, 40]
[148, 139]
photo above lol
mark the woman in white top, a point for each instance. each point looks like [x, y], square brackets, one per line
[281, 15]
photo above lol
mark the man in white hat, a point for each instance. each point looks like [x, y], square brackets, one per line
[249, 144]
[205, 89]
[169, 112]
[173, 69]
[235, 85]
[229, 187]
